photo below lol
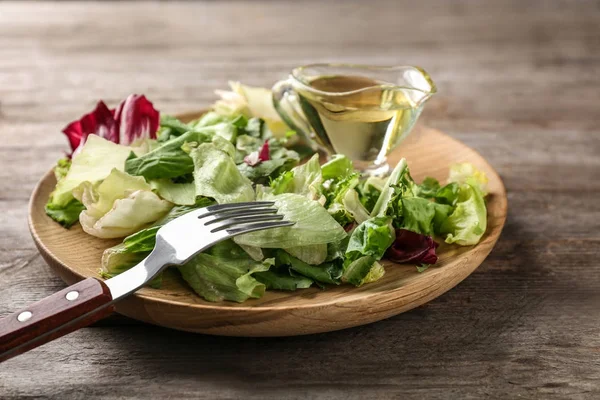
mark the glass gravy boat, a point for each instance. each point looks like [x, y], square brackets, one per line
[361, 111]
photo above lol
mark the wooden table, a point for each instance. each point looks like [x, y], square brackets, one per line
[519, 81]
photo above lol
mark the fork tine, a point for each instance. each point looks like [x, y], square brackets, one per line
[258, 227]
[249, 205]
[235, 206]
[221, 215]
[242, 220]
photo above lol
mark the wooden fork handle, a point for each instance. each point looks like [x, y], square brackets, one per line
[63, 312]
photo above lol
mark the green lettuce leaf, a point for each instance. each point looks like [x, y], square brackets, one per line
[62, 167]
[352, 204]
[448, 194]
[313, 225]
[363, 270]
[371, 238]
[304, 179]
[420, 215]
[281, 159]
[118, 259]
[337, 250]
[255, 253]
[428, 188]
[467, 173]
[176, 193]
[398, 177]
[66, 215]
[145, 239]
[330, 272]
[118, 206]
[338, 167]
[167, 161]
[281, 279]
[262, 172]
[208, 119]
[225, 272]
[97, 159]
[216, 176]
[314, 254]
[468, 222]
[335, 189]
[366, 246]
[369, 192]
[251, 101]
[341, 215]
[178, 128]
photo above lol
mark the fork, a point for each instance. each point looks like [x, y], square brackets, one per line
[92, 299]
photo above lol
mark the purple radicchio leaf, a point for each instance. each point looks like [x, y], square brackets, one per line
[256, 157]
[99, 122]
[137, 119]
[411, 247]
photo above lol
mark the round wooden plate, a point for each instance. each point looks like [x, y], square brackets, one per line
[74, 255]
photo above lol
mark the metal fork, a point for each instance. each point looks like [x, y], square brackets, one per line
[92, 299]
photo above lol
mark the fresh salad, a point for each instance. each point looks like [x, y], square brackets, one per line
[130, 171]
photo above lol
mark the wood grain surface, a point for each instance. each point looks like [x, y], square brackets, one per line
[75, 255]
[518, 81]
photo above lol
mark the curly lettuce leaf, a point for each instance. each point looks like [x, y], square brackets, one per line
[263, 169]
[342, 216]
[371, 238]
[420, 215]
[65, 214]
[62, 168]
[468, 222]
[363, 270]
[251, 102]
[304, 179]
[468, 173]
[369, 192]
[398, 179]
[448, 194]
[368, 243]
[428, 188]
[118, 259]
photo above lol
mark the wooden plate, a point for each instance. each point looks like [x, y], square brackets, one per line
[74, 255]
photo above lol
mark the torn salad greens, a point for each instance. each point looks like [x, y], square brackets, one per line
[130, 171]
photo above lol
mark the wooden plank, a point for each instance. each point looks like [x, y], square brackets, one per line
[518, 81]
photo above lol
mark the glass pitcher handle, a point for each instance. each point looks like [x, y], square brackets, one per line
[286, 104]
